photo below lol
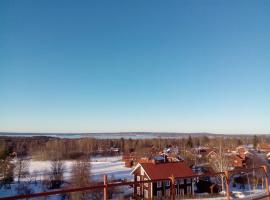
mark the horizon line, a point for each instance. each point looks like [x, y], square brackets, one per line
[129, 132]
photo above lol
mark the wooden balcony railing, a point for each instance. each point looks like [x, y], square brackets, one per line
[106, 185]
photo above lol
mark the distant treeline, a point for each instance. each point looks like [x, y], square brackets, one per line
[50, 148]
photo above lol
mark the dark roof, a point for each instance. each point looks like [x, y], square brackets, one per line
[166, 170]
[159, 158]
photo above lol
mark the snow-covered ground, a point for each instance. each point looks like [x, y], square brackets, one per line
[112, 166]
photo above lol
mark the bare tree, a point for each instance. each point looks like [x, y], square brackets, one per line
[56, 174]
[6, 172]
[221, 162]
[81, 178]
[21, 168]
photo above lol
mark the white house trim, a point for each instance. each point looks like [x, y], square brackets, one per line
[136, 167]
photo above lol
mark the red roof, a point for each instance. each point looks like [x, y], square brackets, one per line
[166, 170]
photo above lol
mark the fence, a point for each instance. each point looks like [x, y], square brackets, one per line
[106, 185]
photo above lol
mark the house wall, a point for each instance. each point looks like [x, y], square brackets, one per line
[178, 186]
[152, 188]
[143, 188]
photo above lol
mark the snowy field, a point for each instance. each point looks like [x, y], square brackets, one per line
[112, 166]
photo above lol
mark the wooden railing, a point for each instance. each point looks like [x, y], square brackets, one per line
[106, 185]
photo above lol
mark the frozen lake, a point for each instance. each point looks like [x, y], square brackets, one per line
[132, 135]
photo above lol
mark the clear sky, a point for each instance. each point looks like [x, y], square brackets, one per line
[135, 65]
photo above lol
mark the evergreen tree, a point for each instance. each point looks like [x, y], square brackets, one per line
[189, 142]
[205, 140]
[255, 141]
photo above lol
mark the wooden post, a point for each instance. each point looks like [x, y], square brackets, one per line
[227, 178]
[266, 181]
[172, 187]
[212, 188]
[135, 187]
[105, 180]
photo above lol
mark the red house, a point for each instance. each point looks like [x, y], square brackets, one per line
[238, 161]
[162, 170]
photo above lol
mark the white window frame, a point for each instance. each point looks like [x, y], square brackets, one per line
[167, 192]
[176, 191]
[188, 181]
[167, 183]
[159, 193]
[145, 193]
[181, 181]
[145, 184]
[159, 184]
[181, 192]
[189, 190]
[138, 178]
[138, 191]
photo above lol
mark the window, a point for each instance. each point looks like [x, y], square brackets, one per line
[168, 192]
[138, 178]
[142, 172]
[188, 181]
[145, 184]
[167, 183]
[188, 189]
[159, 184]
[145, 193]
[181, 181]
[181, 192]
[138, 191]
[159, 193]
[175, 191]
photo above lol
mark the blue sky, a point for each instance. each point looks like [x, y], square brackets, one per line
[108, 66]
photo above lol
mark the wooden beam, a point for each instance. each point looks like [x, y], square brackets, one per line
[227, 178]
[105, 180]
[264, 167]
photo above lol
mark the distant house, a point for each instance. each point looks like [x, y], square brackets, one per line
[162, 170]
[263, 148]
[238, 161]
[130, 159]
[212, 155]
[115, 150]
[235, 160]
[242, 151]
[171, 150]
[100, 150]
[204, 153]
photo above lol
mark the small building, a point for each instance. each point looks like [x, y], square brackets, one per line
[211, 155]
[263, 148]
[114, 150]
[162, 170]
[242, 151]
[129, 159]
[238, 161]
